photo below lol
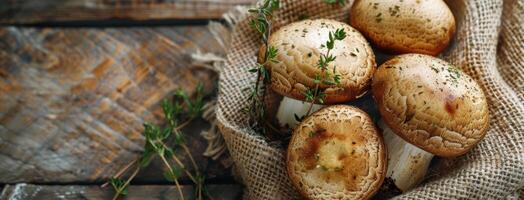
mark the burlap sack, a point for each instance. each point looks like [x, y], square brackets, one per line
[489, 46]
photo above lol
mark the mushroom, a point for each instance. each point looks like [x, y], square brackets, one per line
[407, 26]
[428, 108]
[299, 47]
[337, 153]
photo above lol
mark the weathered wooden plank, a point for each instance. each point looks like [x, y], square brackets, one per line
[34, 11]
[73, 101]
[72, 192]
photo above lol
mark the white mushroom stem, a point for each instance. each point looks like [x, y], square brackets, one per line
[289, 107]
[407, 164]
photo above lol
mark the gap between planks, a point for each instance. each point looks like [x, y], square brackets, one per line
[37, 192]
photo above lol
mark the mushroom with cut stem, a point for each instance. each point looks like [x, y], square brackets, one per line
[428, 108]
[300, 46]
[337, 153]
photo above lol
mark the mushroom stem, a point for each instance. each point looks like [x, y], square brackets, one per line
[289, 107]
[407, 164]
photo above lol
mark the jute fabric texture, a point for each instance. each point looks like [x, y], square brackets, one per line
[488, 45]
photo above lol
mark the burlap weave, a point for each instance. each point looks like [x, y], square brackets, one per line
[488, 45]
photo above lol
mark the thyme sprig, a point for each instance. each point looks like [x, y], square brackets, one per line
[262, 24]
[340, 2]
[178, 114]
[315, 94]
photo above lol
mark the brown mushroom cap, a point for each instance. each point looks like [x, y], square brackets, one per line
[431, 104]
[337, 153]
[299, 49]
[408, 26]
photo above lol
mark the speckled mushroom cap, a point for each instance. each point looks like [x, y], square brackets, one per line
[337, 153]
[299, 49]
[431, 104]
[407, 26]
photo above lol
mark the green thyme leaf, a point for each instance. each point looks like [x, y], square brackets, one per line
[317, 79]
[272, 52]
[119, 185]
[179, 139]
[145, 159]
[328, 82]
[340, 34]
[340, 2]
[171, 176]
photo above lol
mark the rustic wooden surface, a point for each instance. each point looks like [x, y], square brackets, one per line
[72, 192]
[36, 11]
[73, 100]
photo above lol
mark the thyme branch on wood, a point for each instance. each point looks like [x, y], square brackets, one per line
[178, 114]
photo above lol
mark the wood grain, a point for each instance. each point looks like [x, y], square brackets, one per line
[72, 192]
[35, 11]
[73, 101]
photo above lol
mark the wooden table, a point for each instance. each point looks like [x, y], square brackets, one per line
[73, 99]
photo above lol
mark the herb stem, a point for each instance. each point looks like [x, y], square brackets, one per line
[175, 158]
[191, 158]
[199, 191]
[317, 85]
[125, 168]
[185, 170]
[175, 179]
[122, 171]
[119, 191]
[261, 23]
[324, 78]
[181, 126]
[197, 182]
[314, 99]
